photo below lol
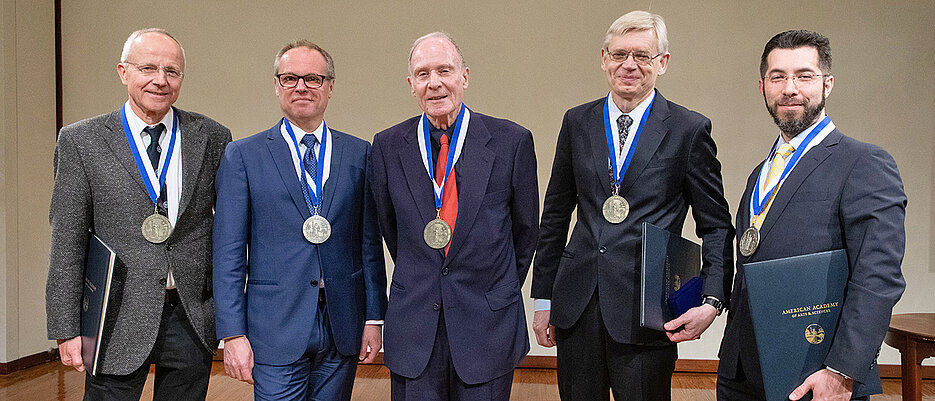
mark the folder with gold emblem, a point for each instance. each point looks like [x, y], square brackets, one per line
[98, 275]
[670, 278]
[795, 304]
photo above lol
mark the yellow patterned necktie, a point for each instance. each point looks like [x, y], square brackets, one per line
[775, 171]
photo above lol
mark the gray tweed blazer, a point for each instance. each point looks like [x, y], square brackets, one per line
[98, 188]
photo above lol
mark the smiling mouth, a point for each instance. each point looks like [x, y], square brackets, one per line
[431, 98]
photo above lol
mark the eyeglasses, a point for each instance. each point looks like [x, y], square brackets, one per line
[312, 81]
[805, 78]
[641, 58]
[151, 70]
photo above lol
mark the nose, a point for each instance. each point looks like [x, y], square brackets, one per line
[789, 87]
[301, 85]
[629, 62]
[434, 80]
[160, 78]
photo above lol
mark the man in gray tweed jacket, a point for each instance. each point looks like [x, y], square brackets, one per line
[145, 161]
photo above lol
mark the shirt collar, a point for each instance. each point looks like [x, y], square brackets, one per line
[300, 133]
[636, 114]
[137, 125]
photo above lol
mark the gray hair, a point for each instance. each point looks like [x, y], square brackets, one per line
[329, 62]
[441, 35]
[133, 36]
[640, 21]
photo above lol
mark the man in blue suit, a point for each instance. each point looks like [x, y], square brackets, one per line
[457, 201]
[296, 197]
[828, 192]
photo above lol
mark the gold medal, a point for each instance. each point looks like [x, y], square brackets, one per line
[616, 209]
[316, 229]
[749, 241]
[156, 228]
[437, 233]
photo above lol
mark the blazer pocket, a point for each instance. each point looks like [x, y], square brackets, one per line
[495, 197]
[809, 196]
[357, 274]
[502, 296]
[664, 162]
[396, 285]
[255, 281]
[568, 254]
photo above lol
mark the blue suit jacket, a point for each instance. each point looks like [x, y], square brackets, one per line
[478, 284]
[842, 194]
[261, 209]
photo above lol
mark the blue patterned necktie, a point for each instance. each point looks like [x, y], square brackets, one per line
[154, 151]
[310, 159]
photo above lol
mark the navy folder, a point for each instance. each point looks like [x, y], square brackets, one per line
[670, 277]
[795, 304]
[98, 274]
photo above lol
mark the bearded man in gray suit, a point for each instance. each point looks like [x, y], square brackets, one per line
[148, 162]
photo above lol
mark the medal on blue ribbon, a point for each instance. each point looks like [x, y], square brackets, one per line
[750, 240]
[437, 233]
[616, 208]
[156, 228]
[316, 229]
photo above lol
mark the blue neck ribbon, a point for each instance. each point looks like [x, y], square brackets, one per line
[153, 192]
[312, 199]
[618, 174]
[452, 147]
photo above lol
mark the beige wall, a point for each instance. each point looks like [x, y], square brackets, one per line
[530, 61]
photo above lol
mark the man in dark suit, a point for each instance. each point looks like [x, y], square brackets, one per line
[635, 148]
[296, 197]
[840, 194]
[146, 161]
[457, 201]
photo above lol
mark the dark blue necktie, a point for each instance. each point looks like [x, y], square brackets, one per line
[154, 150]
[310, 159]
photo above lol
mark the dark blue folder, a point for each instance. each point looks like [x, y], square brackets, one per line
[670, 277]
[795, 304]
[98, 274]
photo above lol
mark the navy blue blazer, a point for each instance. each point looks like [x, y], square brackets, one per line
[478, 284]
[674, 166]
[842, 194]
[260, 210]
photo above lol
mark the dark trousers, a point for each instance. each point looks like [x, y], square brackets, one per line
[440, 381]
[183, 365]
[591, 364]
[742, 388]
[321, 374]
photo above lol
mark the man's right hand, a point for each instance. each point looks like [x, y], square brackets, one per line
[545, 332]
[238, 359]
[70, 353]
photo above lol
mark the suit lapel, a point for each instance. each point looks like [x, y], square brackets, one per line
[808, 163]
[650, 138]
[597, 136]
[475, 164]
[117, 142]
[420, 185]
[334, 178]
[194, 143]
[282, 157]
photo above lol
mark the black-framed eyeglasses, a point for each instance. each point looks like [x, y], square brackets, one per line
[804, 78]
[641, 58]
[312, 81]
[152, 69]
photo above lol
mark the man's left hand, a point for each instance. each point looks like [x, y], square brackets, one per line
[825, 385]
[370, 343]
[693, 322]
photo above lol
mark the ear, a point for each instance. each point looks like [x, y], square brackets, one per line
[603, 59]
[466, 72]
[412, 86]
[330, 89]
[663, 63]
[761, 87]
[829, 83]
[122, 73]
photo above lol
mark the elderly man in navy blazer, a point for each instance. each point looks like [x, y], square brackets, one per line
[457, 201]
[296, 197]
[837, 193]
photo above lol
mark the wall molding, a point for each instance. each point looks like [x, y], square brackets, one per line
[28, 361]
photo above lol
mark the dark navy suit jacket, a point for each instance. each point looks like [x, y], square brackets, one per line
[478, 284]
[674, 167]
[260, 210]
[842, 194]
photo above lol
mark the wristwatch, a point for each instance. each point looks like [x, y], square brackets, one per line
[716, 303]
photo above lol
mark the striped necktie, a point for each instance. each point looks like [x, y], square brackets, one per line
[775, 171]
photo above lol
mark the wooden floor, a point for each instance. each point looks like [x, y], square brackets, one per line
[52, 381]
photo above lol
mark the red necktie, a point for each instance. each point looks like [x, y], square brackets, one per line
[449, 211]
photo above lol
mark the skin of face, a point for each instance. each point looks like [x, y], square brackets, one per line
[631, 83]
[793, 105]
[303, 106]
[152, 96]
[438, 78]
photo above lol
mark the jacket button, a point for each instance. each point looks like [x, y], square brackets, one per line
[434, 306]
[314, 283]
[169, 247]
[444, 271]
[162, 281]
[603, 249]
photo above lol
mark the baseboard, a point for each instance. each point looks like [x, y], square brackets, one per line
[681, 365]
[29, 361]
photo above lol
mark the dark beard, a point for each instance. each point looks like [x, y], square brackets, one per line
[794, 126]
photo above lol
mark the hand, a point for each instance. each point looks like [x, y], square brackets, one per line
[825, 385]
[545, 332]
[70, 352]
[693, 322]
[372, 340]
[238, 359]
